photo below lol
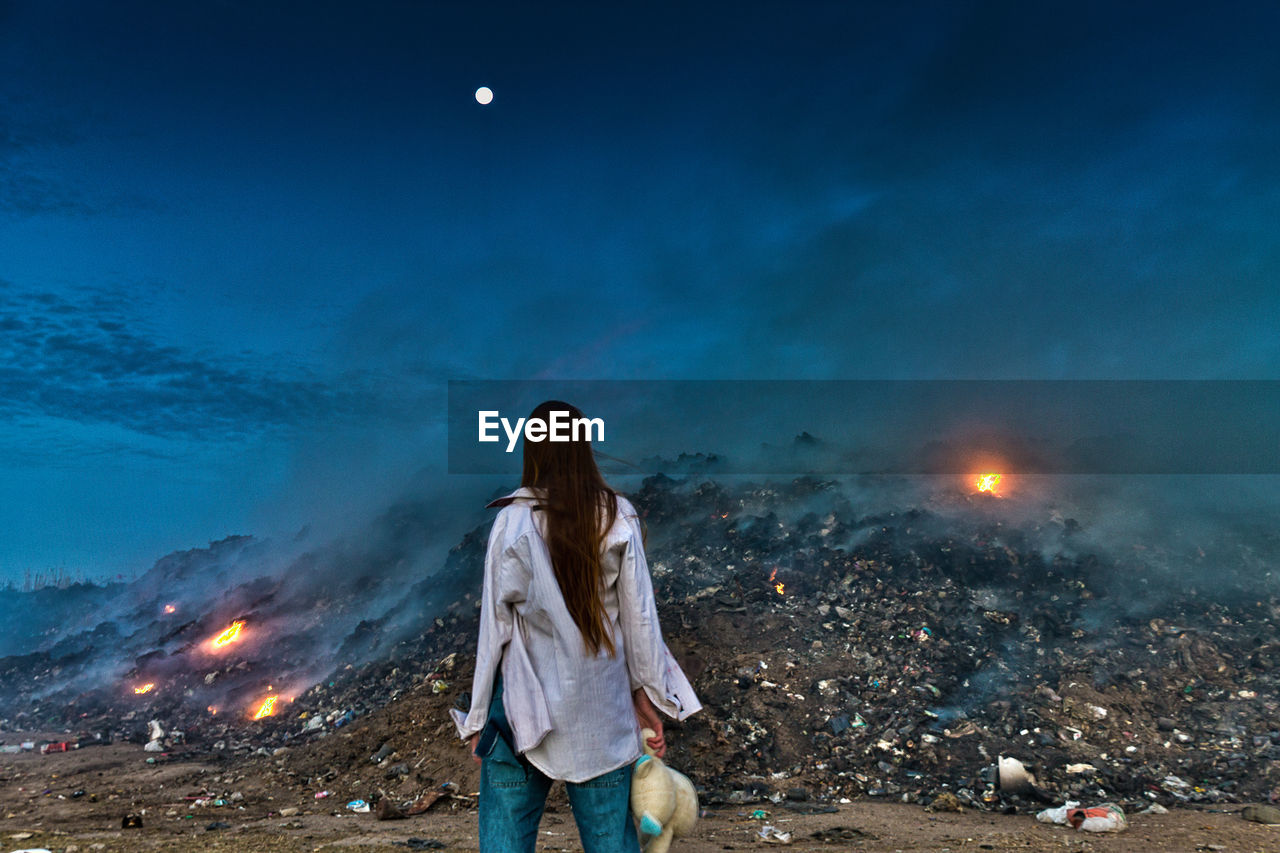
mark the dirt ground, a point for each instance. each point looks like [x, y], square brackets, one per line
[42, 807]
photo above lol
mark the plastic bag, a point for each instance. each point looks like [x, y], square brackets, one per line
[1058, 815]
[1107, 817]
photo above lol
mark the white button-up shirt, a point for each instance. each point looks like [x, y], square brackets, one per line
[570, 712]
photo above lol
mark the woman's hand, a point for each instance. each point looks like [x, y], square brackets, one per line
[473, 740]
[649, 718]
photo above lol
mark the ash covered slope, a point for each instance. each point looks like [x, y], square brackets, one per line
[296, 613]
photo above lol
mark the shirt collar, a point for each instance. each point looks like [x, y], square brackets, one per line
[524, 493]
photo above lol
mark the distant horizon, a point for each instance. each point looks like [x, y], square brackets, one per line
[247, 246]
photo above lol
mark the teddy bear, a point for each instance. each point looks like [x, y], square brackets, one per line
[662, 799]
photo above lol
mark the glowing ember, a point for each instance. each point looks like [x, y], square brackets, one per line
[989, 483]
[211, 709]
[781, 588]
[228, 636]
[266, 709]
[146, 688]
[169, 608]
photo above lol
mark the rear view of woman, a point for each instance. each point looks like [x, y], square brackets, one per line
[570, 663]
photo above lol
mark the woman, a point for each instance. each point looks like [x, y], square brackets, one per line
[571, 663]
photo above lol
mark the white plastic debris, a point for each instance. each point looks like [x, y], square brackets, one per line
[1107, 817]
[773, 835]
[1058, 815]
[155, 730]
[1012, 775]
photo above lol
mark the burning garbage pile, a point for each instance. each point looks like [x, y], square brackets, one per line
[217, 643]
[840, 649]
[903, 654]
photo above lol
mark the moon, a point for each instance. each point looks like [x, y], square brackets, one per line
[484, 95]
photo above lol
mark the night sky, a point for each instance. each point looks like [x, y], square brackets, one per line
[243, 246]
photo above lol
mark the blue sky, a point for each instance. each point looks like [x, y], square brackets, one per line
[244, 245]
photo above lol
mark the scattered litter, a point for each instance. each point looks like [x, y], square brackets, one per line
[320, 795]
[773, 835]
[424, 802]
[1107, 817]
[1013, 776]
[387, 810]
[1058, 815]
[358, 806]
[946, 802]
[1270, 815]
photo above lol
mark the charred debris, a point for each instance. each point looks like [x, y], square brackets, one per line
[839, 653]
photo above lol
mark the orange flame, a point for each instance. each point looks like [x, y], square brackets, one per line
[169, 608]
[266, 709]
[989, 483]
[781, 588]
[146, 688]
[212, 709]
[228, 636]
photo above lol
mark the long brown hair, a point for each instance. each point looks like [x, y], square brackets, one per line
[579, 507]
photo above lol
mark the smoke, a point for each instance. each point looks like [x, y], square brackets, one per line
[308, 606]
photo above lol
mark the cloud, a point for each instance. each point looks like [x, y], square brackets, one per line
[89, 362]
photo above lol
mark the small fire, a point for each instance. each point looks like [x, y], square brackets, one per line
[266, 709]
[169, 608]
[228, 636]
[146, 688]
[989, 483]
[781, 588]
[777, 585]
[212, 709]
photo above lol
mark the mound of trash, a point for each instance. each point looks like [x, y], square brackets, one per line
[845, 651]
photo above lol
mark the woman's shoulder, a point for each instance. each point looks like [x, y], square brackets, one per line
[626, 521]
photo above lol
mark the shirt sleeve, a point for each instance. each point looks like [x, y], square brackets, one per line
[497, 599]
[649, 662]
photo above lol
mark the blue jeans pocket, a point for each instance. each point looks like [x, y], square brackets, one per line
[506, 769]
[613, 779]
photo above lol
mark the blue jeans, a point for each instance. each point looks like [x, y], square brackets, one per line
[513, 794]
